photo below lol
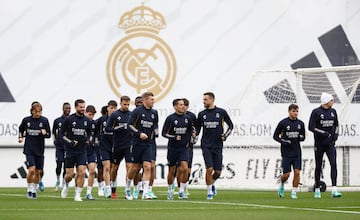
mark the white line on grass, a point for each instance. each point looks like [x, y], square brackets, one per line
[198, 202]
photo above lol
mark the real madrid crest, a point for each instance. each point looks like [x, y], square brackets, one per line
[141, 61]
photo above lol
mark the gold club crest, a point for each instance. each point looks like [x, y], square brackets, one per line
[141, 61]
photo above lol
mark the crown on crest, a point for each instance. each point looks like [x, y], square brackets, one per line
[140, 18]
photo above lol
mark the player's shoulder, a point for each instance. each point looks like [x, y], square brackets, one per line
[43, 118]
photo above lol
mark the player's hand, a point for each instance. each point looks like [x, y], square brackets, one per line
[20, 140]
[193, 140]
[143, 136]
[285, 142]
[43, 131]
[223, 137]
[178, 137]
[73, 143]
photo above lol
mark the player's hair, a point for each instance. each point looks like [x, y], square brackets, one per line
[293, 106]
[79, 101]
[211, 94]
[186, 101]
[90, 108]
[124, 98]
[138, 97]
[35, 105]
[176, 101]
[112, 103]
[104, 110]
[65, 103]
[145, 95]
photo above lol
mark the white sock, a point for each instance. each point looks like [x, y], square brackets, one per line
[317, 189]
[209, 189]
[88, 190]
[170, 188]
[294, 189]
[150, 188]
[29, 187]
[334, 189]
[78, 191]
[182, 187]
[146, 186]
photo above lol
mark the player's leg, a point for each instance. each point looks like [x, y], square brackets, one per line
[30, 177]
[172, 162]
[331, 155]
[69, 167]
[209, 171]
[105, 155]
[170, 181]
[191, 155]
[217, 160]
[80, 172]
[183, 174]
[286, 169]
[297, 163]
[92, 161]
[146, 178]
[40, 182]
[152, 172]
[100, 177]
[319, 153]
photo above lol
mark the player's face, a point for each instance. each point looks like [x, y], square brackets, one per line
[208, 101]
[111, 109]
[124, 105]
[90, 115]
[66, 110]
[80, 109]
[149, 101]
[36, 112]
[293, 113]
[138, 102]
[180, 107]
[331, 103]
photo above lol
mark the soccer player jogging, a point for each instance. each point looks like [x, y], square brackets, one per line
[34, 129]
[143, 122]
[91, 151]
[178, 128]
[212, 121]
[117, 123]
[325, 126]
[100, 177]
[76, 133]
[59, 144]
[289, 132]
[106, 145]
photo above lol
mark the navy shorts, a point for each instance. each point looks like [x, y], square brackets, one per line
[91, 156]
[75, 159]
[60, 155]
[213, 157]
[105, 154]
[153, 153]
[119, 154]
[190, 151]
[33, 160]
[287, 162]
[140, 153]
[176, 155]
[98, 156]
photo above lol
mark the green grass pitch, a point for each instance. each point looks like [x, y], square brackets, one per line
[227, 205]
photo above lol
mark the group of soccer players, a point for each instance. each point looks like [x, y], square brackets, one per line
[291, 131]
[84, 143]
